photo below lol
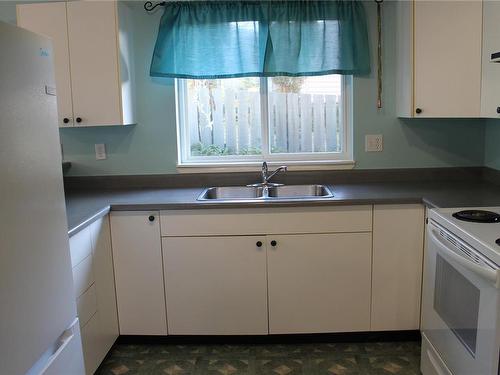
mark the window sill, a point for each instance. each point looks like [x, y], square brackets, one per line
[255, 166]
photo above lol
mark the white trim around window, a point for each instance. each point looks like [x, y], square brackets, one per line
[295, 161]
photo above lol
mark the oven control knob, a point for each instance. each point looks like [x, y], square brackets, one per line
[498, 242]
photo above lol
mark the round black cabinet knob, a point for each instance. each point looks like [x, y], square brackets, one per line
[259, 244]
[273, 243]
[78, 119]
[65, 120]
[151, 218]
[418, 111]
[498, 109]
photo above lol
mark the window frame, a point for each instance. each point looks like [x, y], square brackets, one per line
[303, 161]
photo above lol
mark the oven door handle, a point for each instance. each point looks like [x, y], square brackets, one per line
[485, 272]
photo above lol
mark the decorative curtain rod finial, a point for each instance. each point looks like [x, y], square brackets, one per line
[148, 5]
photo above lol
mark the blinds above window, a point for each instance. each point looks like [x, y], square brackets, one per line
[223, 39]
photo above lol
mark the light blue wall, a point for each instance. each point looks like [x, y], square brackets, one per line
[150, 147]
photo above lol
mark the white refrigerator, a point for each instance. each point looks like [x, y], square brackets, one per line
[39, 330]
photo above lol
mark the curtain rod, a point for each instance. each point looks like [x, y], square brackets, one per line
[148, 5]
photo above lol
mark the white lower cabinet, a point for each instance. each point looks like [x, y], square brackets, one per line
[216, 285]
[91, 344]
[319, 283]
[93, 277]
[398, 247]
[256, 275]
[105, 283]
[138, 267]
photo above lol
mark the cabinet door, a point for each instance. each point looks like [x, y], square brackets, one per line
[447, 77]
[50, 19]
[93, 45]
[398, 245]
[91, 345]
[490, 90]
[319, 283]
[138, 267]
[104, 285]
[216, 285]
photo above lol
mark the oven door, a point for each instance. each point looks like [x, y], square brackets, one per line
[460, 307]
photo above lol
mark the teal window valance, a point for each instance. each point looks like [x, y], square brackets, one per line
[223, 39]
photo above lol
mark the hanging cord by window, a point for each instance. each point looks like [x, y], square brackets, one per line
[379, 53]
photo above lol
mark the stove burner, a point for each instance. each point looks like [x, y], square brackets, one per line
[477, 216]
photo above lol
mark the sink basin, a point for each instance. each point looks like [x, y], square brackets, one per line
[300, 191]
[242, 193]
[231, 193]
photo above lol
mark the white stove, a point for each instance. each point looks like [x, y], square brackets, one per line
[461, 299]
[481, 236]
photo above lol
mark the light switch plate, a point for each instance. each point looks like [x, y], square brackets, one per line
[374, 142]
[100, 151]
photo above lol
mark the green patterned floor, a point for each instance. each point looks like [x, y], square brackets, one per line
[336, 358]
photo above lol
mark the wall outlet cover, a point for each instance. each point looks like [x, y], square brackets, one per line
[374, 142]
[100, 151]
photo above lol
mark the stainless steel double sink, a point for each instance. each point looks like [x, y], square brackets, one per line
[282, 192]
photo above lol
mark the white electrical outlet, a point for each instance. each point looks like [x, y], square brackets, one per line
[100, 151]
[374, 143]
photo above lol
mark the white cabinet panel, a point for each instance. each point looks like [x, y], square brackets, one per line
[50, 19]
[138, 268]
[216, 285]
[83, 276]
[91, 345]
[398, 244]
[447, 58]
[251, 221]
[319, 283]
[92, 30]
[490, 90]
[104, 283]
[439, 58]
[86, 305]
[80, 246]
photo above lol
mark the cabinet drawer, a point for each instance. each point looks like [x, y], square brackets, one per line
[251, 221]
[90, 343]
[86, 305]
[80, 246]
[83, 276]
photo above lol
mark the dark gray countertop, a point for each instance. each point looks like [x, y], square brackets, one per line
[84, 207]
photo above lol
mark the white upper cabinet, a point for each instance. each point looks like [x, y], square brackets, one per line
[439, 58]
[50, 19]
[490, 90]
[94, 75]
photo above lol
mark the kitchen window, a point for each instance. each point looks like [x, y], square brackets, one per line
[244, 121]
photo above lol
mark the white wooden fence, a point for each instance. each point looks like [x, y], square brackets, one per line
[298, 122]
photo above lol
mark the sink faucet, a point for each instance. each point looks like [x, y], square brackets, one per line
[266, 177]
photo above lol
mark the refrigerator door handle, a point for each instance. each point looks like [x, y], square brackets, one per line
[53, 352]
